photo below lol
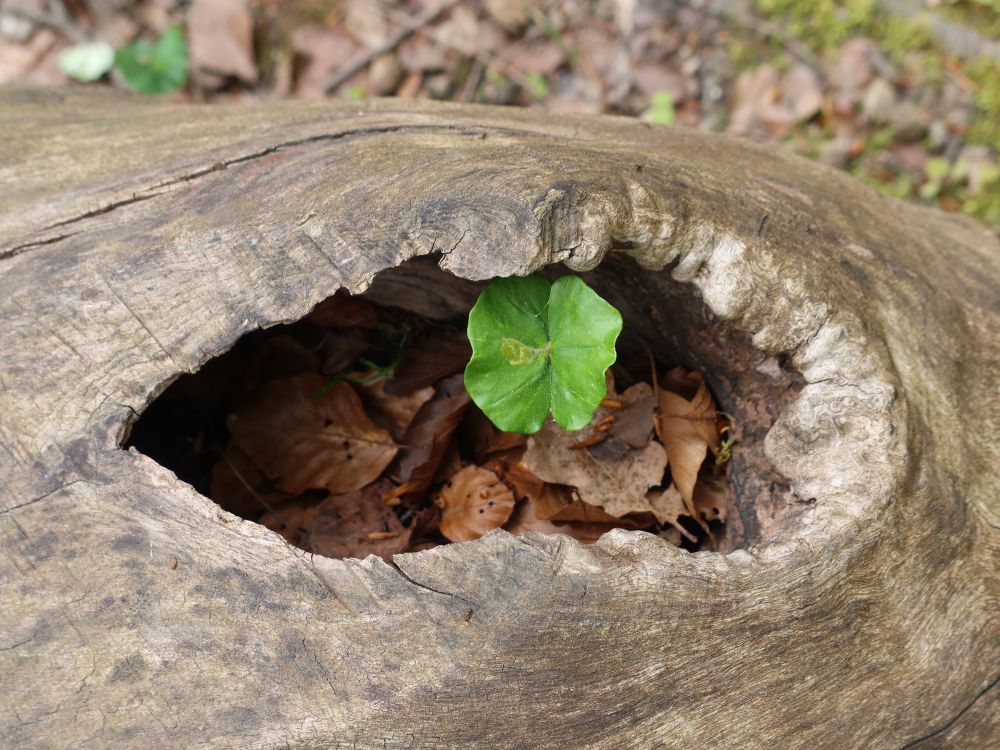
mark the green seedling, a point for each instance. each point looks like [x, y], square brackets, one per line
[156, 68]
[539, 347]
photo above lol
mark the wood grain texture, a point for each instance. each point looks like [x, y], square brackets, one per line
[855, 336]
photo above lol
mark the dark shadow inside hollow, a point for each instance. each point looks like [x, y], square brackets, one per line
[185, 429]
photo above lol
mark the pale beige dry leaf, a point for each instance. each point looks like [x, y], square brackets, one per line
[303, 434]
[668, 506]
[220, 41]
[687, 427]
[357, 524]
[472, 502]
[617, 483]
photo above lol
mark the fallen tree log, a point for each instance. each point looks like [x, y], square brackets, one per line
[853, 337]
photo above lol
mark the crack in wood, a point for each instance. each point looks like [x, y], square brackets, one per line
[955, 719]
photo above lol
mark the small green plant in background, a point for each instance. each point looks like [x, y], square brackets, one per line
[150, 68]
[537, 85]
[87, 61]
[661, 108]
[539, 347]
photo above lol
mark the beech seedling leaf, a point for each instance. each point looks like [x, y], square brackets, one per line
[539, 347]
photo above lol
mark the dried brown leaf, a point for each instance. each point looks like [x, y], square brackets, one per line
[429, 435]
[472, 502]
[357, 524]
[395, 413]
[343, 311]
[634, 422]
[340, 348]
[280, 357]
[238, 486]
[291, 520]
[668, 506]
[487, 439]
[433, 356]
[303, 440]
[524, 518]
[220, 41]
[617, 483]
[687, 427]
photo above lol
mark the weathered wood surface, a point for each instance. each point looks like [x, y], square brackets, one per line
[137, 240]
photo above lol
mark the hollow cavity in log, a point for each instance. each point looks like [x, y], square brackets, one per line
[188, 429]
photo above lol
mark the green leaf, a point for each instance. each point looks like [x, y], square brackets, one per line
[155, 68]
[88, 61]
[661, 108]
[538, 347]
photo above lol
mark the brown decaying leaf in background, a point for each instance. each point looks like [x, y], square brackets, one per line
[357, 524]
[395, 413]
[668, 506]
[303, 440]
[429, 435]
[430, 358]
[240, 487]
[291, 520]
[617, 483]
[473, 502]
[686, 424]
[343, 311]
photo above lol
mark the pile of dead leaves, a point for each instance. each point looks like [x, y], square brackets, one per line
[358, 438]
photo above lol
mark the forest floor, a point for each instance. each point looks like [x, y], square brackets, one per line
[904, 94]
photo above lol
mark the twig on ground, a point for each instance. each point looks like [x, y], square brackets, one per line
[472, 82]
[58, 21]
[740, 14]
[389, 44]
[489, 60]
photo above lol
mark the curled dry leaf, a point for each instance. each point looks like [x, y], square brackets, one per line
[634, 422]
[472, 502]
[435, 355]
[304, 440]
[343, 311]
[395, 413]
[239, 486]
[686, 424]
[357, 524]
[485, 438]
[616, 482]
[429, 435]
